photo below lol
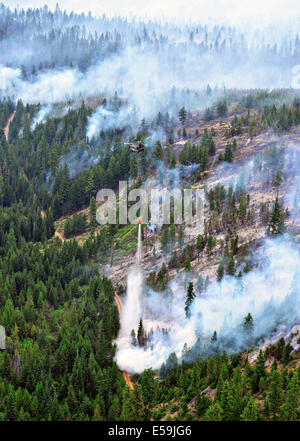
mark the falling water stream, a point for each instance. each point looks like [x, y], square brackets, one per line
[132, 306]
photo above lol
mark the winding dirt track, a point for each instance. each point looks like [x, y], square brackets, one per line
[127, 379]
[125, 374]
[58, 234]
[118, 303]
[6, 128]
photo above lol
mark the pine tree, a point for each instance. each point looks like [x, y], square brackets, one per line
[222, 108]
[148, 385]
[275, 393]
[219, 389]
[141, 337]
[187, 263]
[276, 223]
[208, 90]
[182, 115]
[93, 211]
[90, 186]
[138, 402]
[211, 243]
[248, 327]
[158, 152]
[230, 269]
[71, 400]
[208, 114]
[200, 244]
[243, 208]
[133, 338]
[277, 178]
[189, 299]
[250, 412]
[10, 406]
[237, 391]
[227, 402]
[260, 363]
[291, 406]
[228, 155]
[220, 272]
[172, 161]
[204, 161]
[195, 376]
[128, 411]
[114, 410]
[214, 337]
[214, 413]
[162, 371]
[54, 160]
[286, 353]
[211, 146]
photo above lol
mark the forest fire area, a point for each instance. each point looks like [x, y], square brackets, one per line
[259, 192]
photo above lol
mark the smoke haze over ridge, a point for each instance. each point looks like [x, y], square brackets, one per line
[233, 12]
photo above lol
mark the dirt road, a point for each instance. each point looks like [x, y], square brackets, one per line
[6, 128]
[127, 379]
[125, 374]
[118, 303]
[61, 237]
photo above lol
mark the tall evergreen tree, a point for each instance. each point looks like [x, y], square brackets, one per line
[250, 413]
[214, 413]
[275, 393]
[141, 335]
[182, 115]
[276, 223]
[220, 272]
[93, 210]
[189, 299]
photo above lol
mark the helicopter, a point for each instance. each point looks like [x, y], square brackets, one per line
[136, 146]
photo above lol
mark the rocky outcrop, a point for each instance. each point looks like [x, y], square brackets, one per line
[293, 338]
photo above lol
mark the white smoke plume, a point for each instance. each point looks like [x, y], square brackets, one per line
[104, 119]
[41, 115]
[270, 293]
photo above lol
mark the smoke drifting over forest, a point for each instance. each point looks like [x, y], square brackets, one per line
[271, 293]
[147, 64]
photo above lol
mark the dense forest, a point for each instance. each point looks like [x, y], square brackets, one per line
[58, 313]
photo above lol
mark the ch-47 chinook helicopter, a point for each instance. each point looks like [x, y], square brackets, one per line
[137, 146]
